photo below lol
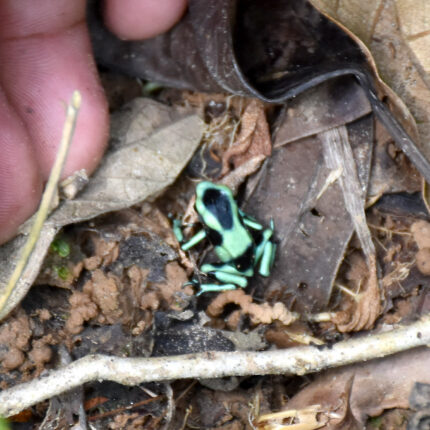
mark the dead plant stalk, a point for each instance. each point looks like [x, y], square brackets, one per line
[132, 371]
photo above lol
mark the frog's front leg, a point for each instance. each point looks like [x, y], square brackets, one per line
[198, 237]
[177, 227]
[250, 221]
[227, 273]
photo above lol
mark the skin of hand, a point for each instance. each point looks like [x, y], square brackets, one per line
[45, 54]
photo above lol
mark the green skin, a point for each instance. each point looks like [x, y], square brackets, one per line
[231, 232]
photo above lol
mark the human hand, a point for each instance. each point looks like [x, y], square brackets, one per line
[45, 54]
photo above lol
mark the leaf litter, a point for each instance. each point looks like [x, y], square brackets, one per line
[122, 292]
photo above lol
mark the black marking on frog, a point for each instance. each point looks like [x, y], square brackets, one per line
[219, 205]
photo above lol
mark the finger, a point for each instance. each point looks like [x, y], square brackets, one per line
[141, 19]
[20, 181]
[43, 60]
[44, 55]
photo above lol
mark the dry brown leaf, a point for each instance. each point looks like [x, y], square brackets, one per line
[396, 33]
[414, 18]
[368, 303]
[423, 261]
[377, 385]
[308, 418]
[253, 139]
[421, 233]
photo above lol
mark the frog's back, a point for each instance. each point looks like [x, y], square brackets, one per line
[220, 216]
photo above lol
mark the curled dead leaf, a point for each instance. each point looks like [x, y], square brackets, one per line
[367, 305]
[253, 139]
[259, 314]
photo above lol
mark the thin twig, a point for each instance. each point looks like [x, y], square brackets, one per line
[132, 371]
[122, 409]
[48, 195]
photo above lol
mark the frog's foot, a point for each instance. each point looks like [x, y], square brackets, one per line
[227, 273]
[205, 288]
[263, 239]
[267, 258]
[210, 287]
[177, 229]
[265, 251]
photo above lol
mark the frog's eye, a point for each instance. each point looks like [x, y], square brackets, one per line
[218, 203]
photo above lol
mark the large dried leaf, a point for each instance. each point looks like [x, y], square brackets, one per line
[414, 17]
[396, 32]
[152, 144]
[272, 49]
[140, 164]
[380, 384]
[327, 106]
[298, 190]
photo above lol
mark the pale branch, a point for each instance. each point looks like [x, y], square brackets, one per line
[133, 371]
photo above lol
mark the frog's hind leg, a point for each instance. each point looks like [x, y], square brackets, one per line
[226, 273]
[208, 287]
[267, 258]
[265, 251]
[205, 288]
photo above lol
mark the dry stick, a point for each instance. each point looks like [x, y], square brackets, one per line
[133, 371]
[48, 195]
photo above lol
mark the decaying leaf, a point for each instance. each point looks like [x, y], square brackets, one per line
[152, 143]
[338, 155]
[301, 193]
[414, 23]
[131, 272]
[396, 32]
[308, 418]
[367, 303]
[271, 50]
[328, 106]
[377, 385]
[391, 170]
[421, 233]
[253, 139]
[139, 166]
